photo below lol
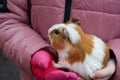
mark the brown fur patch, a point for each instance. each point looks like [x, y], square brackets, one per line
[107, 55]
[79, 50]
[58, 42]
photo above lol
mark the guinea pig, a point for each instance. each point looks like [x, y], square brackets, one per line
[78, 51]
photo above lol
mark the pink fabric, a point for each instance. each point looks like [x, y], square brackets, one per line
[43, 68]
[106, 6]
[61, 75]
[103, 25]
[42, 59]
[41, 64]
[46, 14]
[99, 17]
[18, 41]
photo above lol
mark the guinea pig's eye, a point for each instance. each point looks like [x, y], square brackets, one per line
[56, 32]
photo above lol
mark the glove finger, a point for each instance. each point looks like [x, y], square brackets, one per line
[42, 58]
[61, 75]
[73, 76]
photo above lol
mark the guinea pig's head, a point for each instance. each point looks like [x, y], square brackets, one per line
[61, 35]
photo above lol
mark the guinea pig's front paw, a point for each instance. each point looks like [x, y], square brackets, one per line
[57, 65]
[91, 76]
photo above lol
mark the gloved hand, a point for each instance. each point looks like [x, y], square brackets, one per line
[43, 69]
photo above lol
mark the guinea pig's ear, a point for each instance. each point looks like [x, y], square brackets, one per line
[73, 20]
[72, 33]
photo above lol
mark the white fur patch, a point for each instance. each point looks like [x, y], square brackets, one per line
[94, 61]
[72, 33]
[56, 26]
[63, 53]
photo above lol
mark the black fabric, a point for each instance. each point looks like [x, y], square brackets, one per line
[29, 11]
[67, 10]
[112, 55]
[3, 6]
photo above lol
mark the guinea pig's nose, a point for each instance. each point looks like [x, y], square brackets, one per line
[63, 30]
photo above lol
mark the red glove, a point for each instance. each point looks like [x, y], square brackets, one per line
[43, 69]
